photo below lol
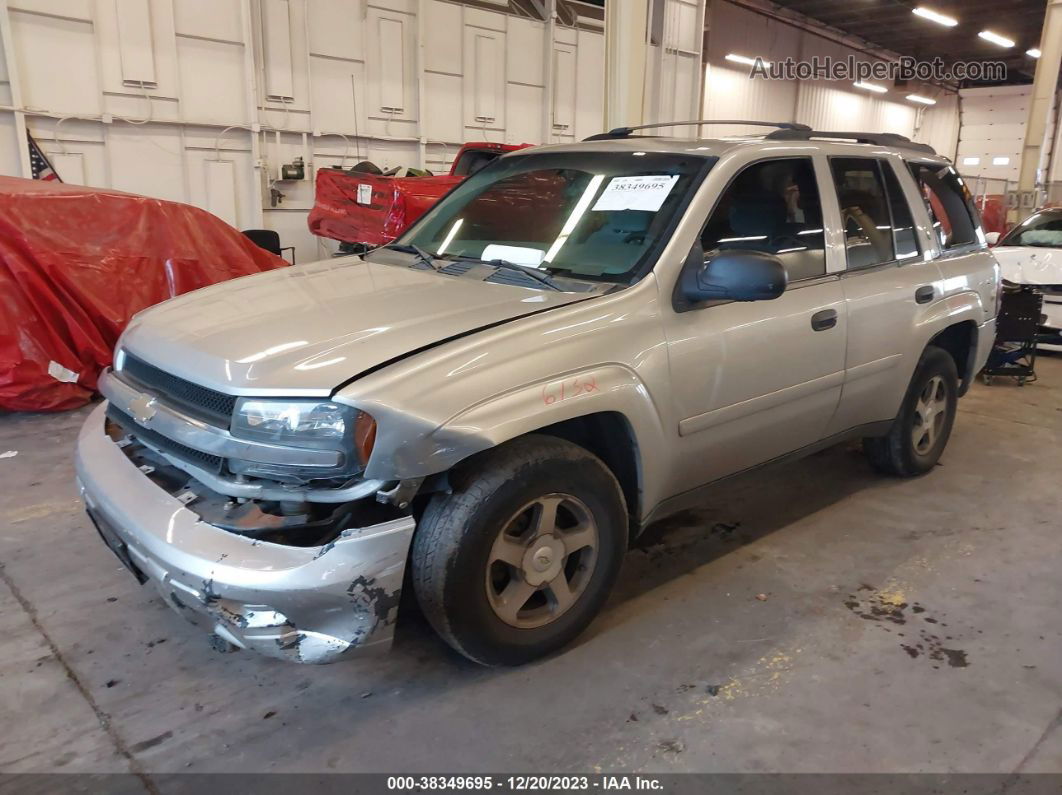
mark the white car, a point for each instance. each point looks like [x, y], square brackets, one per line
[1031, 253]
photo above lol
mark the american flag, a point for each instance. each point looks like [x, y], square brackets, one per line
[39, 165]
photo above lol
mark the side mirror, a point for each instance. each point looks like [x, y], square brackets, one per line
[992, 238]
[733, 275]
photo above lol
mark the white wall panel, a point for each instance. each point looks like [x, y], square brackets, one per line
[147, 48]
[209, 19]
[523, 109]
[136, 51]
[940, 124]
[220, 179]
[564, 81]
[484, 19]
[442, 37]
[443, 99]
[147, 160]
[9, 145]
[590, 85]
[335, 28]
[5, 85]
[336, 107]
[44, 47]
[485, 81]
[213, 83]
[70, 166]
[276, 50]
[68, 9]
[524, 50]
[391, 64]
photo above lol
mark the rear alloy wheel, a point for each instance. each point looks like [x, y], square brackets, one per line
[921, 430]
[519, 558]
[930, 415]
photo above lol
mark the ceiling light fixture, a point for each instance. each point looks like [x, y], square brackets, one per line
[923, 100]
[995, 38]
[870, 87]
[933, 16]
[744, 59]
[1033, 52]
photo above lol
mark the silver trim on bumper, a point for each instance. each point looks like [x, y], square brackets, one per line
[151, 413]
[304, 604]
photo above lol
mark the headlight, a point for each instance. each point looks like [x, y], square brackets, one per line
[297, 423]
[314, 423]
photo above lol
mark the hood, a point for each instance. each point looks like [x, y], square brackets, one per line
[1030, 264]
[304, 330]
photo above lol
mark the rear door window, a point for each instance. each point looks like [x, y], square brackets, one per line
[951, 209]
[878, 227]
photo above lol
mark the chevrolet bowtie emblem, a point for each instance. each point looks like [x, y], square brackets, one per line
[142, 408]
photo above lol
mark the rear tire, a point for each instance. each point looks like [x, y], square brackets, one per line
[920, 432]
[520, 557]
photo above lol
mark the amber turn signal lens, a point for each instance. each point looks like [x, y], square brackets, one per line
[364, 436]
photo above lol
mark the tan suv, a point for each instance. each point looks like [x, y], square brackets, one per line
[567, 347]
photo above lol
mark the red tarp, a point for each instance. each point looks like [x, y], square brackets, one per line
[77, 263]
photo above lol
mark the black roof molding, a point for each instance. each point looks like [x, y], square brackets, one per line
[879, 139]
[625, 132]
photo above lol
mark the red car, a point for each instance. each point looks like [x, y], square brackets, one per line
[363, 210]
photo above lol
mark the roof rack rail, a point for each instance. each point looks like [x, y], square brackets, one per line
[880, 139]
[624, 132]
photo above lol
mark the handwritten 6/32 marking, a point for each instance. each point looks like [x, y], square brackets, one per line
[569, 388]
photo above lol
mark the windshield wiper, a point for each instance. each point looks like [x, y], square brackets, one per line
[422, 256]
[527, 270]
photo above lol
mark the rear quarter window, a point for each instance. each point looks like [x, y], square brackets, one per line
[948, 201]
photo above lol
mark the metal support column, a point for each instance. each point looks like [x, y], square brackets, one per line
[1044, 86]
[625, 56]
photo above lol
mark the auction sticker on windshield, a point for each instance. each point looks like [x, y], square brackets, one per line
[636, 193]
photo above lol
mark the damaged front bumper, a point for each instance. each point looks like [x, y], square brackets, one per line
[304, 604]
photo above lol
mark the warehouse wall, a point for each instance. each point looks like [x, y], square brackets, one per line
[159, 97]
[994, 120]
[825, 105]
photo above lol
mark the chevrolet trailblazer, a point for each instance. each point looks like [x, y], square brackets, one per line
[567, 347]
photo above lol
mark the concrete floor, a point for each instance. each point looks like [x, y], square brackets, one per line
[907, 626]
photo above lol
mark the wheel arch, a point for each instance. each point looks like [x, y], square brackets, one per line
[609, 436]
[615, 418]
[959, 340]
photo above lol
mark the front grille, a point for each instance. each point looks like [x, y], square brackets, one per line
[211, 463]
[198, 401]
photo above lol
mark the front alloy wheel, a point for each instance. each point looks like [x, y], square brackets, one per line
[542, 561]
[517, 560]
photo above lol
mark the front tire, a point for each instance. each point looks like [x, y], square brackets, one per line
[518, 560]
[920, 432]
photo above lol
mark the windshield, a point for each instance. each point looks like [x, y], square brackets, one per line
[1043, 230]
[584, 215]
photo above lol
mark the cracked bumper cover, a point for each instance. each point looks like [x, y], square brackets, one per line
[304, 604]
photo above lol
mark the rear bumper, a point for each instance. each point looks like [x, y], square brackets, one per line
[304, 604]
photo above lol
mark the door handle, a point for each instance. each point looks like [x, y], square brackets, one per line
[923, 295]
[823, 320]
